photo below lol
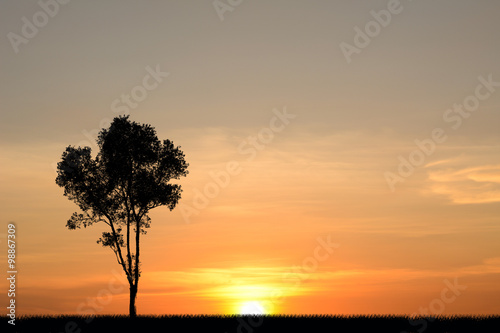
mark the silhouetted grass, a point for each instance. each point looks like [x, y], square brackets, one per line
[251, 324]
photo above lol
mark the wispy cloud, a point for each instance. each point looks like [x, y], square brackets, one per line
[466, 185]
[263, 282]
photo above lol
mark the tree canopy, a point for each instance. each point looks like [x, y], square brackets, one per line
[130, 175]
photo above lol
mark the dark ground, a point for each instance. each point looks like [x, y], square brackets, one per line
[254, 324]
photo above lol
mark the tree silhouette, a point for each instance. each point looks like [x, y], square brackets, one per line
[129, 176]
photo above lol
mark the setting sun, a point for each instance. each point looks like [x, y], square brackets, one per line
[252, 308]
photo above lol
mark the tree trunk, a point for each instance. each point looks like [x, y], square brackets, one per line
[133, 296]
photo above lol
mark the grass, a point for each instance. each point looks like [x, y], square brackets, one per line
[257, 324]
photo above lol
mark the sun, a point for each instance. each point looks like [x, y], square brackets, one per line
[252, 308]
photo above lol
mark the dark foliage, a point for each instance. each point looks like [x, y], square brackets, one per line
[273, 323]
[130, 175]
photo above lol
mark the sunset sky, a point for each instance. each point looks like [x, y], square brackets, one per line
[344, 155]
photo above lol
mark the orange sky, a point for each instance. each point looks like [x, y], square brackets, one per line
[258, 239]
[265, 193]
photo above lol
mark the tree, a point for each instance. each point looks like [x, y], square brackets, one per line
[129, 176]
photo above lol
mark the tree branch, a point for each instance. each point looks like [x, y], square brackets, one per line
[115, 238]
[127, 208]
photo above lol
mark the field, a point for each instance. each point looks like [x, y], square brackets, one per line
[250, 324]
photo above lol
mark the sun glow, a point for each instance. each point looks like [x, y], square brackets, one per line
[252, 308]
